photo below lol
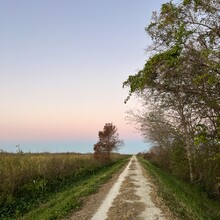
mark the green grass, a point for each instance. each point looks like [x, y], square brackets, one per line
[186, 200]
[68, 200]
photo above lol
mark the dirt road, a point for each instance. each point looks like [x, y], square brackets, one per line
[129, 197]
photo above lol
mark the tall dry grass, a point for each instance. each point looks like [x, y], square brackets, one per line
[19, 169]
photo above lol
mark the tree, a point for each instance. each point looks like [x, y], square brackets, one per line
[182, 76]
[108, 141]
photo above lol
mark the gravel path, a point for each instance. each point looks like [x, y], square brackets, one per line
[129, 195]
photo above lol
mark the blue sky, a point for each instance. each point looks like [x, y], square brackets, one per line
[62, 65]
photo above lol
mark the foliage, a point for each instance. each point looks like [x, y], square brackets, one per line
[108, 141]
[180, 89]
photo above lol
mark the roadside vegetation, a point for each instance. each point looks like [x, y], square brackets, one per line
[187, 201]
[49, 180]
[179, 87]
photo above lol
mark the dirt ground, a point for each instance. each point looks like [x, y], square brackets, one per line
[129, 195]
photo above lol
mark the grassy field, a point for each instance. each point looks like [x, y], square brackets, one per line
[187, 201]
[30, 180]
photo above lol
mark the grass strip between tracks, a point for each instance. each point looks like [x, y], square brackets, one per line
[187, 201]
[62, 203]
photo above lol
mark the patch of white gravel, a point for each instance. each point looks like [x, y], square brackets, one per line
[143, 190]
[101, 213]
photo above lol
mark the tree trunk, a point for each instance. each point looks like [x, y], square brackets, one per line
[189, 151]
[190, 161]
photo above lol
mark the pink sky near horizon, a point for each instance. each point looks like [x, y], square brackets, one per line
[62, 120]
[39, 109]
[61, 130]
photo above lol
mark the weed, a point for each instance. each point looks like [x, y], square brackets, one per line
[186, 200]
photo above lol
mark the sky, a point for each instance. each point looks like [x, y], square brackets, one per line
[62, 65]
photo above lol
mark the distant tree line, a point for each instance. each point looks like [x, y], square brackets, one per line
[180, 89]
